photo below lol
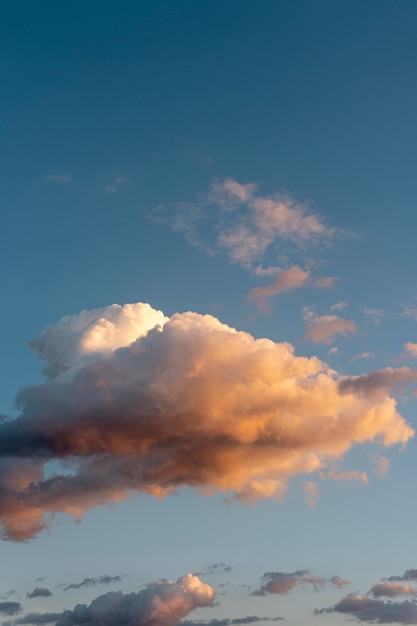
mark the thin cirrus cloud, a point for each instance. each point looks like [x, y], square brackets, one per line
[59, 178]
[135, 401]
[324, 328]
[235, 219]
[120, 181]
[284, 582]
[163, 602]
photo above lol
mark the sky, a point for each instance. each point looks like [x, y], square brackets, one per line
[209, 312]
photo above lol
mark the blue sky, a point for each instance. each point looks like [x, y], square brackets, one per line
[253, 162]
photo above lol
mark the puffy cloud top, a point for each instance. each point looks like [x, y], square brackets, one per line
[140, 402]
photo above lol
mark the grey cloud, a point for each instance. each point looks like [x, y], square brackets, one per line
[39, 618]
[249, 619]
[283, 582]
[376, 611]
[98, 580]
[409, 574]
[39, 592]
[10, 608]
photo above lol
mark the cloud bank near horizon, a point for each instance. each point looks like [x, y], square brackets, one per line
[135, 401]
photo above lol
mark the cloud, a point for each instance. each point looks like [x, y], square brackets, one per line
[219, 567]
[339, 306]
[411, 348]
[249, 619]
[312, 493]
[283, 582]
[163, 602]
[325, 282]
[10, 608]
[323, 328]
[38, 618]
[120, 181]
[409, 574]
[376, 611]
[362, 355]
[98, 580]
[392, 590]
[381, 465]
[59, 178]
[346, 476]
[287, 280]
[39, 592]
[189, 402]
[233, 218]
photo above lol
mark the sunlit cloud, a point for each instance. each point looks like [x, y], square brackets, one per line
[287, 280]
[411, 348]
[381, 465]
[392, 590]
[325, 282]
[312, 493]
[345, 476]
[163, 602]
[323, 328]
[139, 402]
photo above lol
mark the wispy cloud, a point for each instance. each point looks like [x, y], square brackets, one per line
[235, 219]
[59, 178]
[285, 414]
[120, 181]
[10, 608]
[90, 582]
[312, 493]
[283, 582]
[345, 476]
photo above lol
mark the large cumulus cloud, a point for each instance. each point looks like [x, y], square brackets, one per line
[135, 401]
[163, 602]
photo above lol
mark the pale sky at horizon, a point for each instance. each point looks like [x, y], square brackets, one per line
[209, 312]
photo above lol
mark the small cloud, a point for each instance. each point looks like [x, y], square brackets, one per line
[120, 181]
[283, 582]
[376, 315]
[39, 592]
[362, 355]
[90, 582]
[312, 493]
[219, 567]
[339, 306]
[392, 590]
[345, 476]
[59, 178]
[287, 280]
[333, 350]
[411, 348]
[38, 618]
[323, 328]
[325, 282]
[381, 465]
[409, 574]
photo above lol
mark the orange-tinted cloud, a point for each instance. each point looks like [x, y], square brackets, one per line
[190, 402]
[287, 280]
[323, 328]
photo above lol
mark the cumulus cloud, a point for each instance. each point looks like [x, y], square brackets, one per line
[97, 580]
[283, 582]
[287, 280]
[163, 602]
[188, 401]
[323, 328]
[244, 224]
[392, 590]
[368, 609]
[39, 592]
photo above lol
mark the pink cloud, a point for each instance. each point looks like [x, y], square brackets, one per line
[287, 280]
[322, 329]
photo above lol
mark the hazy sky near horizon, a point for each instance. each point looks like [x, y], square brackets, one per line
[209, 312]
